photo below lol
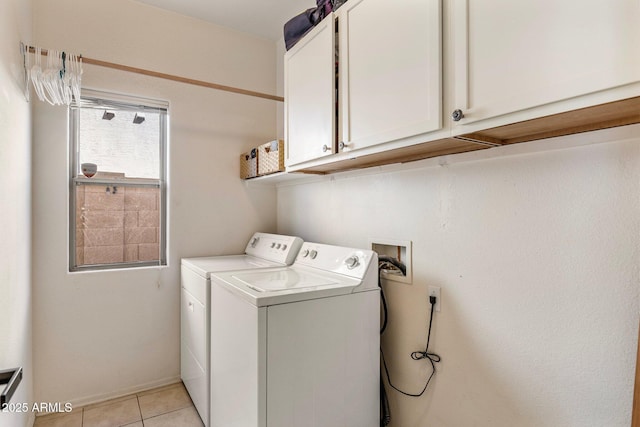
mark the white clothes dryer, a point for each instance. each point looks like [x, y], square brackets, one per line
[263, 251]
[299, 345]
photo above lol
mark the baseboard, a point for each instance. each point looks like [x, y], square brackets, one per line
[98, 398]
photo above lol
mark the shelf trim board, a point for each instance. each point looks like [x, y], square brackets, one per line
[411, 153]
[597, 117]
[477, 138]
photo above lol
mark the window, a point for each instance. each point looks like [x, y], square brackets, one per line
[118, 211]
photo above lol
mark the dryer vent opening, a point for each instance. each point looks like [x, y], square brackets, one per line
[399, 250]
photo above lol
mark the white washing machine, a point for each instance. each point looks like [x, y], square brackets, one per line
[299, 345]
[262, 251]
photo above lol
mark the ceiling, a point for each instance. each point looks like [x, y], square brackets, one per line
[259, 17]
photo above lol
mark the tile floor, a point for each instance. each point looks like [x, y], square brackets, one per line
[168, 406]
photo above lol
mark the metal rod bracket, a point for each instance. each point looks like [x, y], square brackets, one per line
[10, 377]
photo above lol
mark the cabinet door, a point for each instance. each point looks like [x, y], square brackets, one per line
[514, 55]
[390, 70]
[310, 123]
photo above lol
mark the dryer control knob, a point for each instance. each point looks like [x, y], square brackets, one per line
[352, 262]
[313, 254]
[305, 253]
[273, 245]
[284, 247]
[278, 246]
[254, 242]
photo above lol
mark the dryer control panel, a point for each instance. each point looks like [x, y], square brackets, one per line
[274, 247]
[347, 261]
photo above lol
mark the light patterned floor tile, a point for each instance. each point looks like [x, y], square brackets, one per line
[167, 406]
[73, 419]
[162, 388]
[109, 402]
[113, 415]
[164, 401]
[187, 417]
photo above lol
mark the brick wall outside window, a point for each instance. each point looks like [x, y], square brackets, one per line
[117, 226]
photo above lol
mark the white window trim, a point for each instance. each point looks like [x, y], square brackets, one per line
[117, 101]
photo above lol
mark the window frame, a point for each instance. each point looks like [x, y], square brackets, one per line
[98, 99]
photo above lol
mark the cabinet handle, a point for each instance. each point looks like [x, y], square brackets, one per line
[325, 148]
[342, 145]
[457, 115]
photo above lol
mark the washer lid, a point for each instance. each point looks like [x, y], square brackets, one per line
[281, 280]
[204, 266]
[284, 285]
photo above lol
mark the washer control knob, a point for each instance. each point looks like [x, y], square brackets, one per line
[273, 245]
[254, 242]
[278, 246]
[313, 254]
[305, 253]
[352, 262]
[284, 247]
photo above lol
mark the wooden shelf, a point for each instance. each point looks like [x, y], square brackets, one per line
[604, 116]
[411, 153]
[280, 177]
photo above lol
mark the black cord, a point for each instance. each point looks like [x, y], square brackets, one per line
[382, 261]
[384, 311]
[385, 412]
[416, 355]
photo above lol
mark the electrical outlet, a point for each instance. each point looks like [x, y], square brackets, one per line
[434, 291]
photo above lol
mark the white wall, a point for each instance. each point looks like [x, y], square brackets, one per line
[535, 248]
[15, 205]
[101, 334]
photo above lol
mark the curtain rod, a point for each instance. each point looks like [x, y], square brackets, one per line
[171, 77]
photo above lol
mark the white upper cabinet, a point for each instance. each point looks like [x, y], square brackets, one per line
[387, 89]
[389, 71]
[516, 71]
[310, 93]
[511, 56]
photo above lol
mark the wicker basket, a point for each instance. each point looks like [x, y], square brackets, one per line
[249, 164]
[271, 157]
